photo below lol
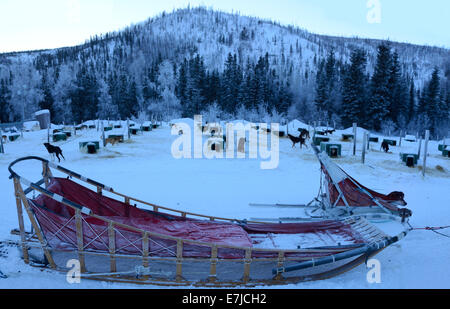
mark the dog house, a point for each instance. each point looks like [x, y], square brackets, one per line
[147, 126]
[446, 152]
[410, 138]
[90, 147]
[409, 158]
[13, 137]
[155, 126]
[134, 131]
[390, 142]
[443, 144]
[216, 144]
[67, 133]
[279, 133]
[318, 139]
[59, 137]
[347, 137]
[373, 139]
[333, 150]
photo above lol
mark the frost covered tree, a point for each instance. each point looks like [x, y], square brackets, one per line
[106, 109]
[62, 96]
[25, 93]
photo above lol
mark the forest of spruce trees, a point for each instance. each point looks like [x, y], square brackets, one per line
[138, 73]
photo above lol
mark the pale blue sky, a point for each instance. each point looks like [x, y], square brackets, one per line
[41, 24]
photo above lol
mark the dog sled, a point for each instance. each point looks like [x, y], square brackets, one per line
[115, 237]
[340, 196]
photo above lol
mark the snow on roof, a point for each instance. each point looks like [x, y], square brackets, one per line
[89, 123]
[297, 124]
[29, 125]
[188, 121]
[42, 112]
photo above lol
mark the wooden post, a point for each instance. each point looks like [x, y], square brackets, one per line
[48, 134]
[364, 148]
[2, 150]
[247, 262]
[368, 140]
[420, 147]
[213, 269]
[35, 225]
[280, 264]
[79, 225]
[128, 128]
[179, 261]
[355, 125]
[103, 135]
[21, 224]
[112, 247]
[46, 173]
[400, 142]
[425, 151]
[145, 252]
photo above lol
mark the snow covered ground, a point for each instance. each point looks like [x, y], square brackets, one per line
[143, 167]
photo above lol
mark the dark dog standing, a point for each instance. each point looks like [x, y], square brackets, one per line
[385, 146]
[296, 140]
[54, 151]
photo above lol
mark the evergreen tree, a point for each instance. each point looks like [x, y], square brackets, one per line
[326, 85]
[432, 101]
[354, 90]
[379, 88]
[47, 100]
[4, 99]
[412, 102]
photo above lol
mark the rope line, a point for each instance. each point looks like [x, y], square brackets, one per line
[432, 229]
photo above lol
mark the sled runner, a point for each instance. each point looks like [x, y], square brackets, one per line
[115, 237]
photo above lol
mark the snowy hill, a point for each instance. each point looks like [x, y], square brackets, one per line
[214, 34]
[179, 64]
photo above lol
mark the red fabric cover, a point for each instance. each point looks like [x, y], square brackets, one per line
[190, 229]
[357, 198]
[59, 227]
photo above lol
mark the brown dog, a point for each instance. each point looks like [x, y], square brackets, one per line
[54, 151]
[113, 140]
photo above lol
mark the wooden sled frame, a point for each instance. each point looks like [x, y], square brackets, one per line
[38, 240]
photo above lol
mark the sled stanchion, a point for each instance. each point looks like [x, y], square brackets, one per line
[35, 224]
[46, 173]
[213, 270]
[179, 277]
[112, 247]
[21, 223]
[99, 190]
[247, 262]
[280, 264]
[79, 225]
[145, 253]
